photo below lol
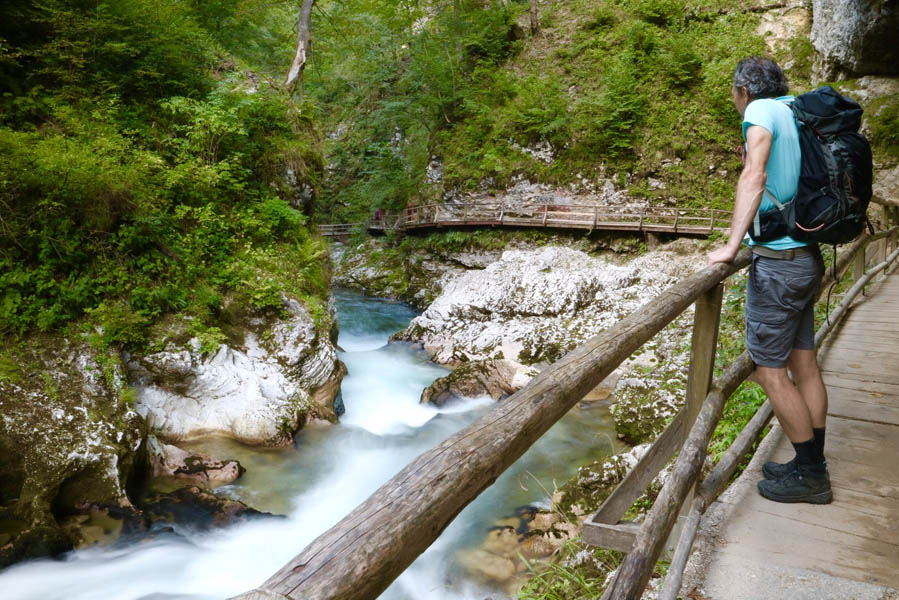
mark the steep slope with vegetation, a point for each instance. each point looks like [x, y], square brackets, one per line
[470, 97]
[152, 181]
[144, 167]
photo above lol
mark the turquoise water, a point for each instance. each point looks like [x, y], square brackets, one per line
[329, 471]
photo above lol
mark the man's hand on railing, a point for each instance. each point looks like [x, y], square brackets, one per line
[725, 254]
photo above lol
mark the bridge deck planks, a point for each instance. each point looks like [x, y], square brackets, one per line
[857, 536]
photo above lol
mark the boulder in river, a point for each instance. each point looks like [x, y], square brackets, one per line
[70, 441]
[260, 387]
[197, 508]
[495, 378]
[171, 462]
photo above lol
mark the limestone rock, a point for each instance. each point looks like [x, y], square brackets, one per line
[533, 306]
[495, 378]
[170, 461]
[856, 37]
[260, 392]
[69, 439]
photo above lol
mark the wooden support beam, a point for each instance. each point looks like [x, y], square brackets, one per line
[706, 319]
[671, 586]
[859, 268]
[360, 556]
[618, 536]
[630, 488]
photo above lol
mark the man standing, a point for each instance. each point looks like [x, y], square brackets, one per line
[783, 279]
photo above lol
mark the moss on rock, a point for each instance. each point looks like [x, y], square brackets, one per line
[69, 439]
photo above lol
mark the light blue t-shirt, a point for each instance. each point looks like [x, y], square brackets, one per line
[784, 161]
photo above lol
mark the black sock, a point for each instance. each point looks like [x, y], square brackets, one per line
[805, 452]
[819, 443]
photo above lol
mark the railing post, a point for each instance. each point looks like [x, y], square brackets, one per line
[642, 213]
[706, 319]
[859, 269]
[545, 213]
[886, 241]
[894, 239]
[712, 222]
[595, 215]
[502, 212]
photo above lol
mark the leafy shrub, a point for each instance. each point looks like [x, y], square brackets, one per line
[658, 12]
[611, 118]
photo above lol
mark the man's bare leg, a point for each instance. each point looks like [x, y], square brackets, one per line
[788, 404]
[807, 378]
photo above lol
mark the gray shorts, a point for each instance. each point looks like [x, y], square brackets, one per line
[780, 307]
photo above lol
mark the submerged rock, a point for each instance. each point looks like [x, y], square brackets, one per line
[69, 442]
[494, 378]
[260, 391]
[197, 508]
[168, 461]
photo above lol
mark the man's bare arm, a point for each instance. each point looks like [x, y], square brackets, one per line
[750, 188]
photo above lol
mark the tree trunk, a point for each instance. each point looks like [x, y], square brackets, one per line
[304, 44]
[535, 23]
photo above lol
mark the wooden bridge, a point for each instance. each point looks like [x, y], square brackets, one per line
[359, 557]
[589, 217]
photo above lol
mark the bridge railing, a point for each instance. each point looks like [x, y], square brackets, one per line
[360, 556]
[578, 216]
[337, 229]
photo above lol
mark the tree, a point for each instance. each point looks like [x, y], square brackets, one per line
[304, 45]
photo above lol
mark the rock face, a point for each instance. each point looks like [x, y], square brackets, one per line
[533, 306]
[260, 393]
[856, 37]
[168, 461]
[415, 279]
[494, 378]
[69, 442]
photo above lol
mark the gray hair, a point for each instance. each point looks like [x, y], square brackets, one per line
[761, 77]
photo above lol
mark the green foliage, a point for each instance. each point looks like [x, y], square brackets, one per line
[738, 410]
[611, 118]
[576, 572]
[658, 12]
[639, 87]
[139, 174]
[884, 126]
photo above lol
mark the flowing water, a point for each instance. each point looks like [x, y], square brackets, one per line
[329, 472]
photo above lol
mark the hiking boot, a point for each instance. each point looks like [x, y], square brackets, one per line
[805, 483]
[774, 470]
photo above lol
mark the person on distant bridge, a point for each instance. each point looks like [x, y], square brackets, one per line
[784, 278]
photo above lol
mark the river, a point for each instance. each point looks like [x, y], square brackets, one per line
[329, 471]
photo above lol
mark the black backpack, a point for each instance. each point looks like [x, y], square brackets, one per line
[835, 177]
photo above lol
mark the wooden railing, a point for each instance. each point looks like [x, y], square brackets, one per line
[653, 219]
[360, 556]
[337, 229]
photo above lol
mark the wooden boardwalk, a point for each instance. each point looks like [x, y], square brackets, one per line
[588, 217]
[754, 548]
